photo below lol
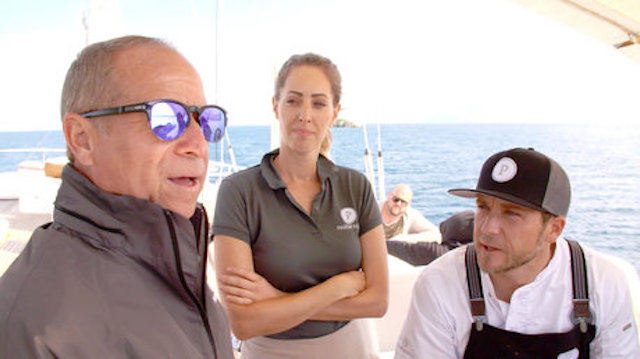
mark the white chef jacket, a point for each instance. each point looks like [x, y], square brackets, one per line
[439, 320]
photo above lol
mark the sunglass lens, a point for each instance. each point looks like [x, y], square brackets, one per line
[168, 120]
[212, 121]
[400, 201]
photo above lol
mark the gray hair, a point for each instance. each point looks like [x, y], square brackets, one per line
[91, 82]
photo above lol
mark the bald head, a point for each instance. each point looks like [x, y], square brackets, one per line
[399, 200]
[402, 191]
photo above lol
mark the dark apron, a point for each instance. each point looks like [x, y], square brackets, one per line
[492, 342]
[486, 341]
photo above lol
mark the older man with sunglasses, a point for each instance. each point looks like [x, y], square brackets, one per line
[120, 272]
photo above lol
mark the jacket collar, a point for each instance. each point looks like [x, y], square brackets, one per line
[137, 228]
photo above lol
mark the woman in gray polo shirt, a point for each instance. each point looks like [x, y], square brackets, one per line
[299, 246]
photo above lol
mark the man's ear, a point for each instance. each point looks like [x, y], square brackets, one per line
[555, 227]
[274, 104]
[79, 133]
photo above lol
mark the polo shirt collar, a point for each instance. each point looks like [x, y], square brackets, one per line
[325, 169]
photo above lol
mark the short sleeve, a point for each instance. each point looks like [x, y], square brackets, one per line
[370, 216]
[610, 282]
[230, 216]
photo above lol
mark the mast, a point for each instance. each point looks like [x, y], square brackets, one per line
[85, 24]
[381, 191]
[368, 161]
[218, 37]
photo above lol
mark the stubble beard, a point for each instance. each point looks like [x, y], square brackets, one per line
[513, 261]
[391, 211]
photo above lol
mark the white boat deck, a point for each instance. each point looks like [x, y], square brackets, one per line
[29, 204]
[15, 230]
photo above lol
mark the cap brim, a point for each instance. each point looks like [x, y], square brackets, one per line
[471, 193]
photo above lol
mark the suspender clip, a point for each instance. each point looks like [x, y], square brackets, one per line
[474, 282]
[583, 325]
[478, 320]
[581, 314]
[477, 311]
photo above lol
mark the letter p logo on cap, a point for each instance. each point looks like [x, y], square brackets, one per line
[504, 170]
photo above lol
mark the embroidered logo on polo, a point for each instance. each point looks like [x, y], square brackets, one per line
[504, 170]
[349, 217]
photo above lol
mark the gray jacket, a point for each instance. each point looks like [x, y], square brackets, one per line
[111, 277]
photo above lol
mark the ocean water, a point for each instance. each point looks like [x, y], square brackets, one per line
[603, 164]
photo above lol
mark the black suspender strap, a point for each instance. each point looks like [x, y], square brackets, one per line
[475, 287]
[581, 313]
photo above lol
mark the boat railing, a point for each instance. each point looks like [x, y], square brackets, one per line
[219, 170]
[43, 151]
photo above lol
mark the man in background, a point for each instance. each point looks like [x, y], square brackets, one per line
[120, 272]
[455, 230]
[401, 222]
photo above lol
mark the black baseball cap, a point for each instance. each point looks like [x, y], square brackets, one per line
[525, 177]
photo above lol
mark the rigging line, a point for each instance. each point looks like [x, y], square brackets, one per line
[633, 40]
[217, 50]
[232, 155]
[381, 190]
[368, 162]
[599, 16]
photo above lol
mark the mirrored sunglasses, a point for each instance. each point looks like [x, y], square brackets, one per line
[168, 119]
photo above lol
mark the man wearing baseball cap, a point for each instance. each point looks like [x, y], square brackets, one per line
[520, 290]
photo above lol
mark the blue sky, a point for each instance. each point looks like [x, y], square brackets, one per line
[403, 61]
